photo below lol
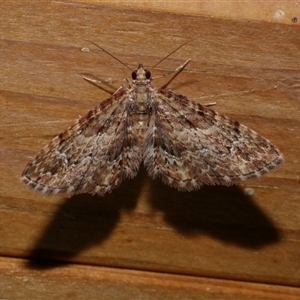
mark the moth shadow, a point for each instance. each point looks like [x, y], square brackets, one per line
[81, 222]
[224, 213]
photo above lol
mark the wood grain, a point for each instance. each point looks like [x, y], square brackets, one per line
[166, 243]
[90, 282]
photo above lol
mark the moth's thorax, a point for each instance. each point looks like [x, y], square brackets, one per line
[141, 92]
[141, 100]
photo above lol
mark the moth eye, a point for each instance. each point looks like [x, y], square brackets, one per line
[148, 74]
[134, 75]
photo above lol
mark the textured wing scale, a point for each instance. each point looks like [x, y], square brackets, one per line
[188, 145]
[92, 156]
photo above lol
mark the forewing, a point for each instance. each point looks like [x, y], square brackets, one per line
[92, 156]
[189, 145]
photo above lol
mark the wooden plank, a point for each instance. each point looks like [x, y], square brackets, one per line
[250, 68]
[91, 282]
[279, 12]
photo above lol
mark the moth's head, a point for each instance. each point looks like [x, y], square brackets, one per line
[141, 76]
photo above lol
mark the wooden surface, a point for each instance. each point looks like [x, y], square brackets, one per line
[146, 240]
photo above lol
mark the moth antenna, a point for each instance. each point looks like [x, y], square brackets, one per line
[169, 54]
[110, 55]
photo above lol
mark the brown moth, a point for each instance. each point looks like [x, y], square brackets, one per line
[184, 143]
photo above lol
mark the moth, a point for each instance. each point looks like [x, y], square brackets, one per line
[185, 144]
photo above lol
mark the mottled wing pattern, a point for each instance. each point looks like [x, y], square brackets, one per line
[92, 156]
[189, 145]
